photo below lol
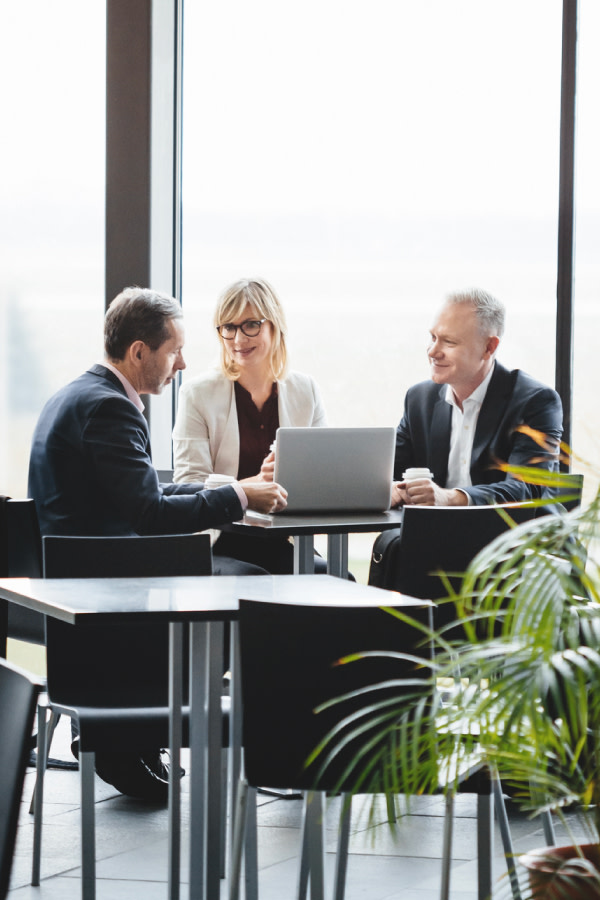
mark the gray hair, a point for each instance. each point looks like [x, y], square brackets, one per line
[489, 311]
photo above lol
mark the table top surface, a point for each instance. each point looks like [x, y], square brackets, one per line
[318, 522]
[186, 598]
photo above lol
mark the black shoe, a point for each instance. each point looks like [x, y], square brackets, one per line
[145, 776]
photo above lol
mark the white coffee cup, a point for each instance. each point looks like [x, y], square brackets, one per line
[416, 474]
[215, 480]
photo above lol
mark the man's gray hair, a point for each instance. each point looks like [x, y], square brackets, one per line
[489, 311]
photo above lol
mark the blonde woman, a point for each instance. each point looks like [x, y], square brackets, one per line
[227, 418]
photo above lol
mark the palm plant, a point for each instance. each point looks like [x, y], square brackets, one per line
[525, 676]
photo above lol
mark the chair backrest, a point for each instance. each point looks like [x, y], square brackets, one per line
[88, 664]
[20, 557]
[288, 655]
[142, 556]
[574, 490]
[436, 539]
[17, 710]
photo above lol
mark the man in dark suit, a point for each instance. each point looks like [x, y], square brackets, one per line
[91, 472]
[462, 423]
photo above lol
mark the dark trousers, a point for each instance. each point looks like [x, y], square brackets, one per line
[272, 554]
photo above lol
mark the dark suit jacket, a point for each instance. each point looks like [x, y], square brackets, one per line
[91, 473]
[512, 398]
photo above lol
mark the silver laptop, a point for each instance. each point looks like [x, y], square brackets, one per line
[335, 469]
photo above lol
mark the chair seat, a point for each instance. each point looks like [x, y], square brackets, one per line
[130, 728]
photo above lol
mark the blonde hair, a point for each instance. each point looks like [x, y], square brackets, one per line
[258, 293]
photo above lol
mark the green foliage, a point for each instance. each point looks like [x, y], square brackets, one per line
[525, 678]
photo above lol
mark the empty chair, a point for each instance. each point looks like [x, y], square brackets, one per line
[20, 557]
[288, 669]
[112, 680]
[18, 695]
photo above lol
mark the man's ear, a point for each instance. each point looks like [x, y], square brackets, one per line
[136, 352]
[491, 346]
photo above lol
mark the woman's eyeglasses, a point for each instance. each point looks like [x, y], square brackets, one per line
[250, 327]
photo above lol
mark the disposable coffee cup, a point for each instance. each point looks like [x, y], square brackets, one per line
[415, 474]
[215, 481]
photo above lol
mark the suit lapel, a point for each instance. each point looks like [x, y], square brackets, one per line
[441, 424]
[492, 410]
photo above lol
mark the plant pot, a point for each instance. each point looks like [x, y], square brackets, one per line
[558, 873]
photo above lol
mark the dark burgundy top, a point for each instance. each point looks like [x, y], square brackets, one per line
[257, 429]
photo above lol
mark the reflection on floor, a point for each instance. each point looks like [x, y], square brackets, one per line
[132, 846]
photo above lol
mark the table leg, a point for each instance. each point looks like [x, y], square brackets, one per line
[304, 554]
[235, 727]
[337, 555]
[175, 731]
[3, 627]
[206, 675]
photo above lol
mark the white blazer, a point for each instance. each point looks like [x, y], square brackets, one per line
[206, 435]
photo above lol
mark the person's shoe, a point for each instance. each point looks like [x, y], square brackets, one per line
[144, 776]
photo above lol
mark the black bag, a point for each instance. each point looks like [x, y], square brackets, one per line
[382, 571]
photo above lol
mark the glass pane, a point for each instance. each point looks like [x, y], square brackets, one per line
[52, 200]
[367, 160]
[586, 436]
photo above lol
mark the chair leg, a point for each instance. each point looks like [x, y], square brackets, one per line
[223, 823]
[484, 845]
[88, 826]
[502, 819]
[341, 864]
[49, 732]
[549, 834]
[37, 800]
[312, 840]
[239, 830]
[251, 848]
[447, 848]
[303, 870]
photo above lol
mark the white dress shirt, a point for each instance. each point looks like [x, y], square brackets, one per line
[462, 434]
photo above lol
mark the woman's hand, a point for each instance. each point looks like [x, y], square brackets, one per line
[267, 470]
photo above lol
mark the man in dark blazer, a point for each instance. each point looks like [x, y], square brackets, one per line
[462, 423]
[91, 472]
[90, 469]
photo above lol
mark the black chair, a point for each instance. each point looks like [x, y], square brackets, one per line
[20, 557]
[287, 656]
[444, 539]
[570, 495]
[18, 695]
[112, 681]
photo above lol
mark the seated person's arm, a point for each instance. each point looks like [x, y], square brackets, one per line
[543, 412]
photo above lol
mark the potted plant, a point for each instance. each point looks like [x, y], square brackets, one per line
[525, 678]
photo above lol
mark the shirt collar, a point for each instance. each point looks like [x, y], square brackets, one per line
[129, 388]
[478, 395]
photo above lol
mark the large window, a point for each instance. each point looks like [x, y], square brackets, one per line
[586, 430]
[367, 160]
[52, 201]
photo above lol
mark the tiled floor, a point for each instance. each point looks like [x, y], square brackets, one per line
[132, 846]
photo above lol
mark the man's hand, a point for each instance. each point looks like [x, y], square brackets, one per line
[265, 497]
[424, 492]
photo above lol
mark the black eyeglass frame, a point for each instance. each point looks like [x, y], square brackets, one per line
[258, 322]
